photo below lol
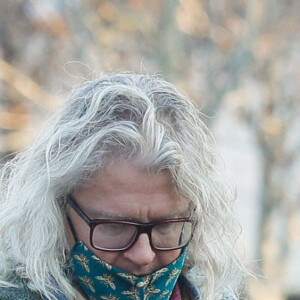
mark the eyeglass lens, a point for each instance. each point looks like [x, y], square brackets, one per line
[112, 236]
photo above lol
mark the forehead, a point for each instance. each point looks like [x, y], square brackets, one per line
[125, 188]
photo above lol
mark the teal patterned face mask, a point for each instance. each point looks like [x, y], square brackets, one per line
[100, 280]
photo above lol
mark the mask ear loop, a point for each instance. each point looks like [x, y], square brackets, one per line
[65, 203]
[70, 223]
[72, 229]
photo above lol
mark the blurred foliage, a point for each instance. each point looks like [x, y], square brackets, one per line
[222, 52]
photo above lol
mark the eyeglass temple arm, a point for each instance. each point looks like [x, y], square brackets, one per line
[71, 201]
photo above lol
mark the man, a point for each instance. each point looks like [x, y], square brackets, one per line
[119, 197]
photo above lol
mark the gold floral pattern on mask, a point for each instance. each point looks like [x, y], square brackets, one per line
[173, 274]
[88, 282]
[103, 263]
[159, 273]
[145, 282]
[107, 280]
[84, 261]
[109, 297]
[132, 294]
[151, 291]
[163, 294]
[128, 277]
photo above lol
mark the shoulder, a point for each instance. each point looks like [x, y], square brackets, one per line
[188, 290]
[191, 292]
[21, 292]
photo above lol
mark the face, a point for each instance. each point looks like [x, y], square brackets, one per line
[124, 190]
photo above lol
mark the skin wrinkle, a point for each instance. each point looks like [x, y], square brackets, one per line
[107, 214]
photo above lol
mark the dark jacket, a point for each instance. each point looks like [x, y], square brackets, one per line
[20, 293]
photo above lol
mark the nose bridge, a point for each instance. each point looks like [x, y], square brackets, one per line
[141, 251]
[144, 228]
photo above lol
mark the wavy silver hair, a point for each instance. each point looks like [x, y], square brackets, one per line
[116, 116]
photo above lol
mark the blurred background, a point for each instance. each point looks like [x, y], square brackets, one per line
[238, 59]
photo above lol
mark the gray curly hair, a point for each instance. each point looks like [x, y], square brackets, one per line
[128, 116]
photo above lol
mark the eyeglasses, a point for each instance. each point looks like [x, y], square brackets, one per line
[114, 235]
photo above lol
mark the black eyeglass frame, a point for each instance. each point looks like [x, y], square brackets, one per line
[141, 227]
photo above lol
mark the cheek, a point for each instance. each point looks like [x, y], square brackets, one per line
[83, 234]
[164, 258]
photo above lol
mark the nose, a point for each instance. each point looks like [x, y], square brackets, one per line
[141, 253]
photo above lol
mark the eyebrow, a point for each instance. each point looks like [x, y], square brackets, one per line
[97, 215]
[119, 217]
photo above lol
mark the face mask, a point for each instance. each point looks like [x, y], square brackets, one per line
[100, 280]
